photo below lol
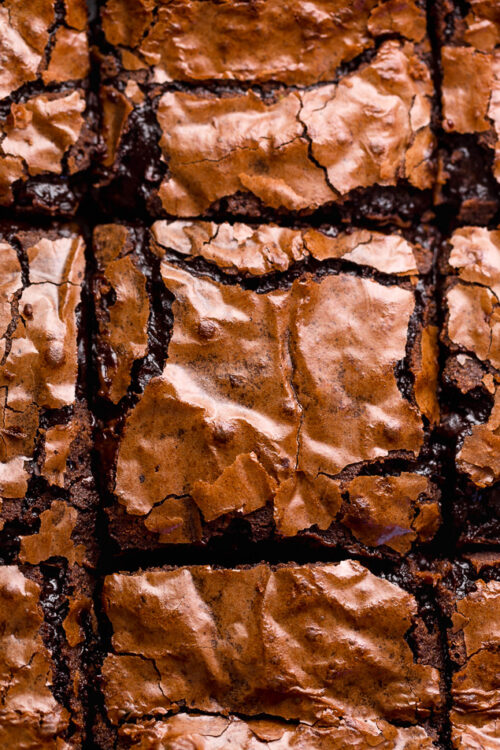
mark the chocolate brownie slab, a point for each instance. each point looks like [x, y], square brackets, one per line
[41, 646]
[282, 376]
[47, 128]
[46, 487]
[316, 644]
[470, 598]
[285, 109]
[472, 337]
[206, 732]
[470, 62]
[292, 42]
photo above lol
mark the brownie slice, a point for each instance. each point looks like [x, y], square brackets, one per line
[47, 491]
[326, 645]
[41, 646]
[470, 599]
[220, 732]
[283, 377]
[260, 108]
[470, 61]
[47, 119]
[471, 335]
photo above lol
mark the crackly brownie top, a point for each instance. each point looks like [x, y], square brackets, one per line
[475, 640]
[274, 392]
[219, 732]
[301, 149]
[42, 40]
[471, 75]
[473, 326]
[41, 134]
[315, 643]
[293, 42]
[43, 43]
[30, 716]
[40, 285]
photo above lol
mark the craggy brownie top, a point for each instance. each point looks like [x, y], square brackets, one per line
[276, 396]
[263, 106]
[38, 708]
[321, 644]
[470, 69]
[207, 732]
[46, 124]
[250, 396]
[41, 275]
[292, 42]
[470, 598]
[293, 150]
[472, 332]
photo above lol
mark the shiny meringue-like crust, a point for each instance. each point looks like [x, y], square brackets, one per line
[257, 250]
[39, 365]
[471, 76]
[38, 136]
[205, 732]
[375, 500]
[123, 332]
[264, 397]
[475, 686]
[270, 40]
[54, 537]
[43, 43]
[30, 716]
[314, 643]
[473, 325]
[26, 47]
[303, 149]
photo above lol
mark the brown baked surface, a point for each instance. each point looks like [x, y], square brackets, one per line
[249, 374]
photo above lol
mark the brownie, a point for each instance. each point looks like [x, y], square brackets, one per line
[260, 108]
[470, 68]
[471, 376]
[43, 687]
[209, 732]
[47, 491]
[316, 644]
[282, 376]
[470, 601]
[47, 120]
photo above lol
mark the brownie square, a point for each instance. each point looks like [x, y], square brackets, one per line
[43, 632]
[318, 644]
[470, 68]
[47, 491]
[470, 599]
[269, 113]
[283, 377]
[471, 400]
[47, 121]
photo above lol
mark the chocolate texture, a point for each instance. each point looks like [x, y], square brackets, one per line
[47, 122]
[239, 417]
[471, 335]
[189, 143]
[470, 68]
[250, 405]
[46, 434]
[300, 646]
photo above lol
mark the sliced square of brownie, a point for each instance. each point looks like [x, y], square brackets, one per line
[283, 377]
[48, 131]
[264, 107]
